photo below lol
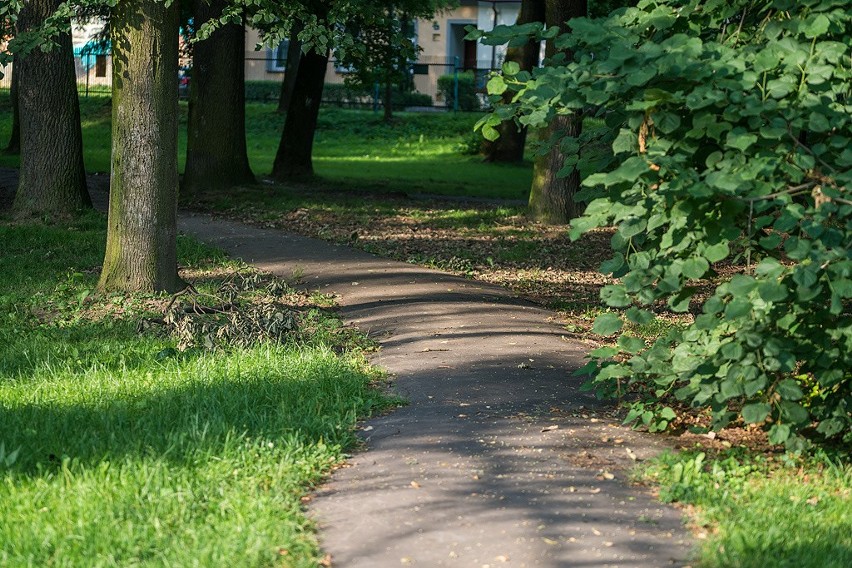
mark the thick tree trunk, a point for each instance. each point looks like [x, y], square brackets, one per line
[294, 56]
[216, 154]
[552, 196]
[14, 145]
[141, 251]
[293, 159]
[509, 147]
[52, 177]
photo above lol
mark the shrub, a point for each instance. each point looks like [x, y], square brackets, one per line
[729, 124]
[468, 98]
[263, 91]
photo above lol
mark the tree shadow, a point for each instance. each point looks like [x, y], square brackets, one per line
[213, 403]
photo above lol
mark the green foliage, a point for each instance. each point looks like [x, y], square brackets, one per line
[263, 90]
[752, 508]
[468, 99]
[730, 130]
[116, 449]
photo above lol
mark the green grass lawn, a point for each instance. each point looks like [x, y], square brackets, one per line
[354, 149]
[751, 511]
[117, 450]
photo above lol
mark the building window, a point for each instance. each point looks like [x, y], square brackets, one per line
[276, 59]
[100, 65]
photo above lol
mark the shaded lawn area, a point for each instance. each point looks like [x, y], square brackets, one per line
[418, 153]
[117, 450]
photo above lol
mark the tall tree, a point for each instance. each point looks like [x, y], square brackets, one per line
[552, 193]
[216, 154]
[141, 251]
[509, 147]
[294, 56]
[14, 145]
[52, 177]
[295, 151]
[384, 48]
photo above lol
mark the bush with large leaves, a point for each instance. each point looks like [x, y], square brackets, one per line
[729, 124]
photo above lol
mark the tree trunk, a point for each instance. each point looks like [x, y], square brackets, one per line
[294, 56]
[293, 159]
[141, 251]
[14, 145]
[509, 147]
[387, 102]
[552, 196]
[216, 154]
[52, 176]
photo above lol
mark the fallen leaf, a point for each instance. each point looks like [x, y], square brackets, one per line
[551, 427]
[326, 560]
[415, 485]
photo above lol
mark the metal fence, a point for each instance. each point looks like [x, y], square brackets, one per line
[424, 87]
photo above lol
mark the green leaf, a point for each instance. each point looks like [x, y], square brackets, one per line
[741, 284]
[631, 344]
[632, 227]
[695, 267]
[626, 141]
[511, 68]
[639, 316]
[737, 308]
[790, 390]
[615, 295]
[490, 133]
[667, 122]
[607, 324]
[613, 264]
[779, 433]
[794, 412]
[717, 252]
[818, 122]
[740, 139]
[772, 291]
[496, 85]
[815, 25]
[756, 412]
[667, 413]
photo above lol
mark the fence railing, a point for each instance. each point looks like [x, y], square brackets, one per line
[435, 83]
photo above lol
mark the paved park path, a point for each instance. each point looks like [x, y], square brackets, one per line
[498, 460]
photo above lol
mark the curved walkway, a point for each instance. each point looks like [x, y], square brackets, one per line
[498, 460]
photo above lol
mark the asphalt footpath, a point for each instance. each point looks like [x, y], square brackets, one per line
[498, 459]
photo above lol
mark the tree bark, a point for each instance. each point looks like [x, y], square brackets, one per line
[509, 147]
[293, 159]
[551, 196]
[216, 154]
[141, 249]
[52, 176]
[294, 56]
[14, 145]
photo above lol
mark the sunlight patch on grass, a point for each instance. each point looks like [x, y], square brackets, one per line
[116, 449]
[750, 512]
